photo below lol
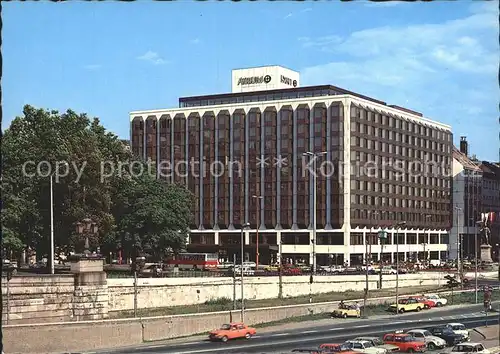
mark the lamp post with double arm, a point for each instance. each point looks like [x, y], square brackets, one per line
[398, 226]
[243, 227]
[314, 156]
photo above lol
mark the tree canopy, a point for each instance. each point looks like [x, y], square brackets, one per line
[132, 211]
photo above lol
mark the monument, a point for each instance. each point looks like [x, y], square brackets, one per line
[485, 244]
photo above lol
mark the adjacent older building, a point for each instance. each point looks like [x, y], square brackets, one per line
[476, 192]
[244, 156]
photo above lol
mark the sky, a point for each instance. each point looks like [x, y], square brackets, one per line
[109, 58]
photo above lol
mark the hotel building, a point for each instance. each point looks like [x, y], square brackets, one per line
[382, 164]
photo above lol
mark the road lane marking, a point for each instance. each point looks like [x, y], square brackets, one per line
[310, 332]
[190, 343]
[361, 326]
[336, 329]
[280, 334]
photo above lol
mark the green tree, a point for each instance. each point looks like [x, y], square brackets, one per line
[152, 216]
[155, 214]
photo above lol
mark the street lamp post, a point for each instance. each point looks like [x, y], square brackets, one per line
[425, 254]
[476, 224]
[314, 156]
[426, 259]
[458, 243]
[398, 226]
[365, 299]
[51, 259]
[259, 198]
[245, 225]
[52, 245]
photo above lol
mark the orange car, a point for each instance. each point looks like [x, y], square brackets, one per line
[336, 348]
[232, 331]
[405, 342]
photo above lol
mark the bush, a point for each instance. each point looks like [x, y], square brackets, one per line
[219, 301]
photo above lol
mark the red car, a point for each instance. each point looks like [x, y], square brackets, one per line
[291, 270]
[405, 342]
[422, 299]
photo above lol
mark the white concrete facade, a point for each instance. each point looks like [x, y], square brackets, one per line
[435, 248]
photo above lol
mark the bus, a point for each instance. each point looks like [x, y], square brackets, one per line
[193, 261]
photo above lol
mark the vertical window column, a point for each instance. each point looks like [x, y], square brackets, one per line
[230, 171]
[278, 171]
[312, 206]
[216, 178]
[294, 170]
[329, 159]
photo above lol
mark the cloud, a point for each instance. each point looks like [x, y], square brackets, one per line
[92, 67]
[324, 43]
[446, 70]
[390, 3]
[292, 14]
[195, 41]
[152, 57]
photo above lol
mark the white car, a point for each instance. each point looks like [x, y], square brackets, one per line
[430, 340]
[459, 328]
[364, 346]
[332, 269]
[439, 301]
[469, 348]
[388, 270]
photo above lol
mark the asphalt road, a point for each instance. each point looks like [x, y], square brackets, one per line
[311, 337]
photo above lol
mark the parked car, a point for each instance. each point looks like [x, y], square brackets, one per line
[469, 348]
[388, 270]
[406, 305]
[366, 347]
[430, 340]
[336, 348]
[448, 335]
[438, 300]
[345, 311]
[427, 303]
[379, 343]
[405, 342]
[459, 328]
[291, 270]
[332, 269]
[272, 268]
[232, 331]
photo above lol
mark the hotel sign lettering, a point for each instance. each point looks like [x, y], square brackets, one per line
[287, 81]
[254, 80]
